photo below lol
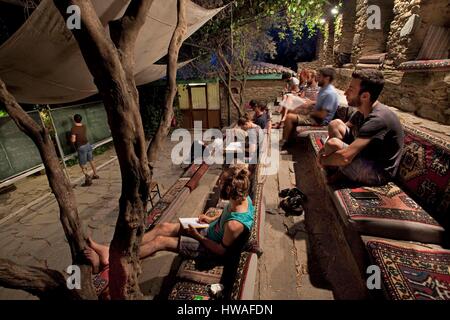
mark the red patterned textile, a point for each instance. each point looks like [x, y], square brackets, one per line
[436, 44]
[412, 272]
[101, 283]
[424, 172]
[395, 215]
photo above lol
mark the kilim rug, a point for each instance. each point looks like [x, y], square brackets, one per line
[412, 274]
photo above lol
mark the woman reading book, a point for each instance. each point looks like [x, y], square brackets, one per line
[223, 230]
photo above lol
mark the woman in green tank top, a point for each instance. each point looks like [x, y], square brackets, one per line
[224, 227]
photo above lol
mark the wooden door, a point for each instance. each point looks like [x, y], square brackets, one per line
[200, 102]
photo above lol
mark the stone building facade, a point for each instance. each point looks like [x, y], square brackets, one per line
[265, 90]
[264, 83]
[425, 93]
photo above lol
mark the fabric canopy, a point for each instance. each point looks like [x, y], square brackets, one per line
[42, 64]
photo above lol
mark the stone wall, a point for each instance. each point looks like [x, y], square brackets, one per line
[431, 12]
[360, 26]
[266, 90]
[368, 41]
[348, 27]
[424, 94]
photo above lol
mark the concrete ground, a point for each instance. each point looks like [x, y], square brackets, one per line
[35, 235]
[285, 270]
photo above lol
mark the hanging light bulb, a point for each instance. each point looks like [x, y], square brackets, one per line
[334, 11]
[322, 21]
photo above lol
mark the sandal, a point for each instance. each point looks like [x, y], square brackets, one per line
[292, 206]
[292, 192]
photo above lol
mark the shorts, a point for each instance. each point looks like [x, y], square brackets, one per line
[85, 154]
[191, 248]
[303, 120]
[348, 137]
[364, 171]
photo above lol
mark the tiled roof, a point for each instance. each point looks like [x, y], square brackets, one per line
[267, 68]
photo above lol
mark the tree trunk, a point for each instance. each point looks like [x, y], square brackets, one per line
[111, 65]
[228, 71]
[174, 49]
[59, 185]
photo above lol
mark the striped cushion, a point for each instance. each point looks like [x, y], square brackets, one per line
[436, 44]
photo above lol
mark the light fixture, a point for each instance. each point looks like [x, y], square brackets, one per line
[334, 11]
[322, 21]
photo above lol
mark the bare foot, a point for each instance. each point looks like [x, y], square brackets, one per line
[101, 250]
[93, 258]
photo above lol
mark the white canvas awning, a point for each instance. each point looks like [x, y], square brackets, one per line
[41, 63]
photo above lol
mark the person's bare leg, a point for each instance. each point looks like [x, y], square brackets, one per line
[337, 129]
[94, 170]
[283, 114]
[291, 121]
[93, 258]
[84, 169]
[166, 229]
[333, 145]
[159, 243]
[101, 250]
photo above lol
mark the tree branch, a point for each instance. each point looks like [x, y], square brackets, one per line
[114, 78]
[46, 284]
[174, 48]
[125, 31]
[58, 183]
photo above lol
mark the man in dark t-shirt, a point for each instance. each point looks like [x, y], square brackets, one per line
[368, 148]
[78, 137]
[261, 117]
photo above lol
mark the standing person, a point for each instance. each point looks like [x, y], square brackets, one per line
[84, 148]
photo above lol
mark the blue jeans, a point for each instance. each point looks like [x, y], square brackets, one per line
[85, 154]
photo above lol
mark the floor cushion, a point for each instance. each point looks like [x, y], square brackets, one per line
[435, 45]
[186, 290]
[424, 172]
[425, 65]
[316, 140]
[412, 272]
[304, 131]
[395, 215]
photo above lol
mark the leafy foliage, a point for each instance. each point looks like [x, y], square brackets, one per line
[151, 101]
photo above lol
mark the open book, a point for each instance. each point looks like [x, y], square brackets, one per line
[185, 222]
[292, 102]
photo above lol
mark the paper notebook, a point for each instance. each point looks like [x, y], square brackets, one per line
[185, 222]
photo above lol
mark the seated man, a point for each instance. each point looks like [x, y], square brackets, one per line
[324, 108]
[261, 117]
[303, 103]
[367, 149]
[292, 85]
[312, 88]
[224, 228]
